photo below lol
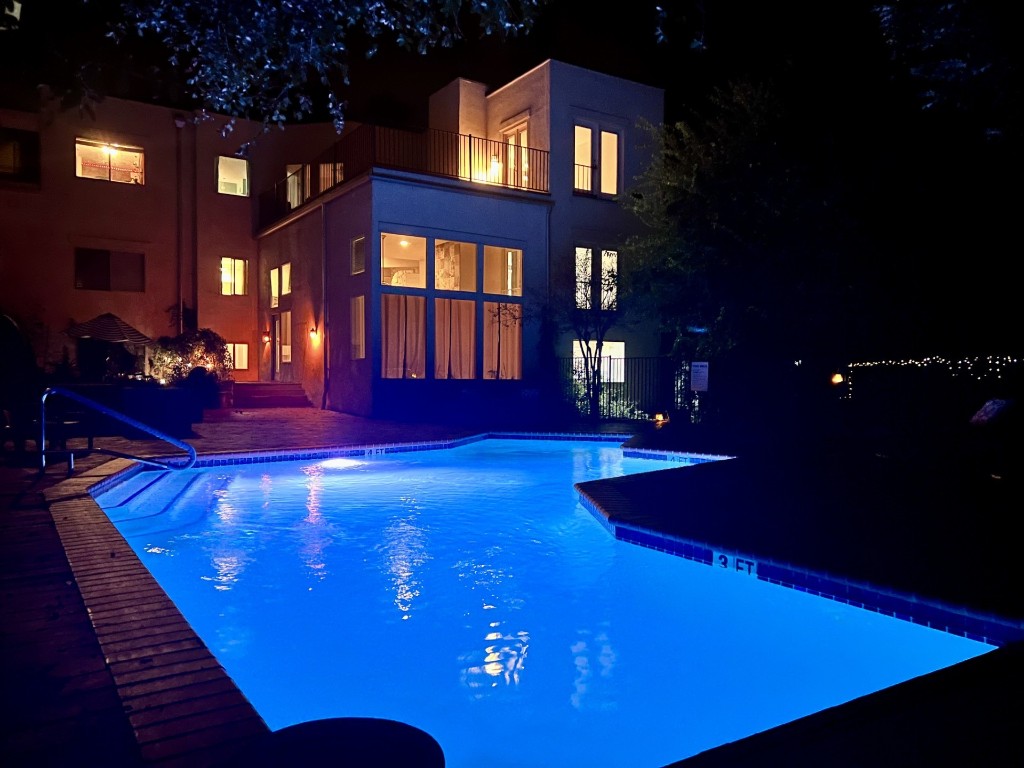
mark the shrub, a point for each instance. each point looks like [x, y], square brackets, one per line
[174, 358]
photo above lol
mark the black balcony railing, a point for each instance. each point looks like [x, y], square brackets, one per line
[434, 153]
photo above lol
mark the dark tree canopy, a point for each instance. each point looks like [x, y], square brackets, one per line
[270, 61]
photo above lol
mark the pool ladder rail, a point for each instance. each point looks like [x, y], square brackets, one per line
[187, 463]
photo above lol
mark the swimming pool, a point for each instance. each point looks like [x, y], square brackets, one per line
[467, 592]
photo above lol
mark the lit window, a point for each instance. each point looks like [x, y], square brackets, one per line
[232, 276]
[613, 354]
[584, 274]
[503, 340]
[280, 283]
[609, 163]
[331, 174]
[403, 336]
[609, 279]
[403, 260]
[297, 185]
[584, 159]
[503, 270]
[97, 269]
[357, 308]
[454, 339]
[109, 162]
[454, 266]
[286, 337]
[358, 255]
[239, 356]
[233, 176]
[517, 166]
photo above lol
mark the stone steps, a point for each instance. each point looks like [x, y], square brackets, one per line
[269, 394]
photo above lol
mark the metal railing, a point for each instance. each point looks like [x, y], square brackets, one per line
[631, 388]
[433, 152]
[111, 413]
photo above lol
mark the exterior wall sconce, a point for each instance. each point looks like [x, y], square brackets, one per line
[265, 337]
[312, 333]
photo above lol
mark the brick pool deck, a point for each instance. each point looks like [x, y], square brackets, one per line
[100, 669]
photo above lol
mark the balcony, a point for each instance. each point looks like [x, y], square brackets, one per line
[434, 153]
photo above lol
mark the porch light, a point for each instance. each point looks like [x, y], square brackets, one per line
[660, 419]
[495, 174]
[312, 333]
[266, 337]
[837, 378]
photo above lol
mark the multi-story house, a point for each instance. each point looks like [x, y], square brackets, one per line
[136, 212]
[391, 273]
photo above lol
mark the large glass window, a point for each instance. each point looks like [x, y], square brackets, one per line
[233, 176]
[232, 276]
[239, 356]
[454, 339]
[503, 340]
[357, 313]
[584, 158]
[584, 275]
[109, 162]
[517, 168]
[503, 270]
[454, 266]
[403, 336]
[607, 284]
[613, 354]
[609, 163]
[403, 260]
[98, 269]
[609, 280]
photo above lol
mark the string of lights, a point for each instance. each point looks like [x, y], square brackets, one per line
[993, 366]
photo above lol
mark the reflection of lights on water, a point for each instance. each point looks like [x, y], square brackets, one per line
[226, 512]
[405, 552]
[228, 568]
[314, 534]
[504, 660]
[159, 551]
[340, 463]
[585, 660]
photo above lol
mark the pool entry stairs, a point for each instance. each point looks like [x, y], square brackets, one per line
[269, 394]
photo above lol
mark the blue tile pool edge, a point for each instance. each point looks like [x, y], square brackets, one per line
[207, 460]
[983, 628]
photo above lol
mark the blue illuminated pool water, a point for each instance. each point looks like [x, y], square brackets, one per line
[467, 592]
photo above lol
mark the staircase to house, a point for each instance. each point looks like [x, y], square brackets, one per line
[269, 394]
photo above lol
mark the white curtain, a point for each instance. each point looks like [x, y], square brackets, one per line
[503, 340]
[403, 332]
[454, 339]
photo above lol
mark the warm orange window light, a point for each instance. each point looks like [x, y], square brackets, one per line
[108, 161]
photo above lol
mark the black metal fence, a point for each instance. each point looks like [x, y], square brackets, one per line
[628, 387]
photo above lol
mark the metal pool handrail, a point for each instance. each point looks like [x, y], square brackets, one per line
[106, 411]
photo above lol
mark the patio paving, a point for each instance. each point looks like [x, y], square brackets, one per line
[104, 672]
